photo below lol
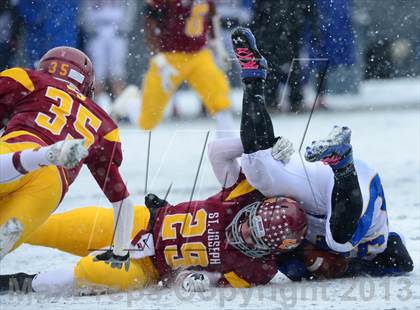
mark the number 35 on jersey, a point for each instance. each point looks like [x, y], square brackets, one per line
[86, 123]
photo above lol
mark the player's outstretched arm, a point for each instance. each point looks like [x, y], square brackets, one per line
[118, 255]
[103, 162]
[223, 155]
[66, 153]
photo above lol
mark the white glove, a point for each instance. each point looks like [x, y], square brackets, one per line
[282, 150]
[166, 72]
[67, 153]
[193, 281]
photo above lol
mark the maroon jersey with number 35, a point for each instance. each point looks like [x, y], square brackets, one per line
[36, 107]
[192, 235]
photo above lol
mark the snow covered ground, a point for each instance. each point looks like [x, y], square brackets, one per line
[388, 139]
[373, 95]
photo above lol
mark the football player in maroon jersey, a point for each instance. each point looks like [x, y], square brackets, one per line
[178, 33]
[39, 108]
[229, 239]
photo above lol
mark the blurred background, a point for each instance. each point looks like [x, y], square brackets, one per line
[372, 47]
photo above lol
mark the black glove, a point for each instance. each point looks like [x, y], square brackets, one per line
[116, 261]
[154, 202]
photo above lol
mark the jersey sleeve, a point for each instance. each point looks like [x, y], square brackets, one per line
[223, 155]
[103, 162]
[15, 83]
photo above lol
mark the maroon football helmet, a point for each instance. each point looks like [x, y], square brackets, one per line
[70, 65]
[276, 225]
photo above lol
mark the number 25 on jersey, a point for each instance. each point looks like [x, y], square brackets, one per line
[188, 226]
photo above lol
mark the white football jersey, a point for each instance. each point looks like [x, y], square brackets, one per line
[312, 184]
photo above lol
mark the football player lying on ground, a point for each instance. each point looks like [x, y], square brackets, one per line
[228, 239]
[342, 197]
[39, 108]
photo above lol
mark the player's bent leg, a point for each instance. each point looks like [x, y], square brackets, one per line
[155, 99]
[94, 276]
[256, 127]
[370, 232]
[78, 232]
[210, 82]
[347, 201]
[81, 231]
[30, 200]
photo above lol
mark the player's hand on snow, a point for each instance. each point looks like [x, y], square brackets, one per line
[116, 261]
[282, 150]
[166, 72]
[192, 281]
[67, 153]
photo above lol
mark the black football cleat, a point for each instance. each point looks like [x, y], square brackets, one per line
[395, 255]
[16, 283]
[253, 64]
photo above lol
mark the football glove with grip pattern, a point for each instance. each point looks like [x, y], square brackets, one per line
[115, 261]
[67, 153]
[282, 150]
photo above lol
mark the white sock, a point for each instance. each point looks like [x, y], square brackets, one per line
[224, 124]
[28, 160]
[59, 281]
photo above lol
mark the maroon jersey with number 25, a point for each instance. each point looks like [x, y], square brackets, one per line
[191, 235]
